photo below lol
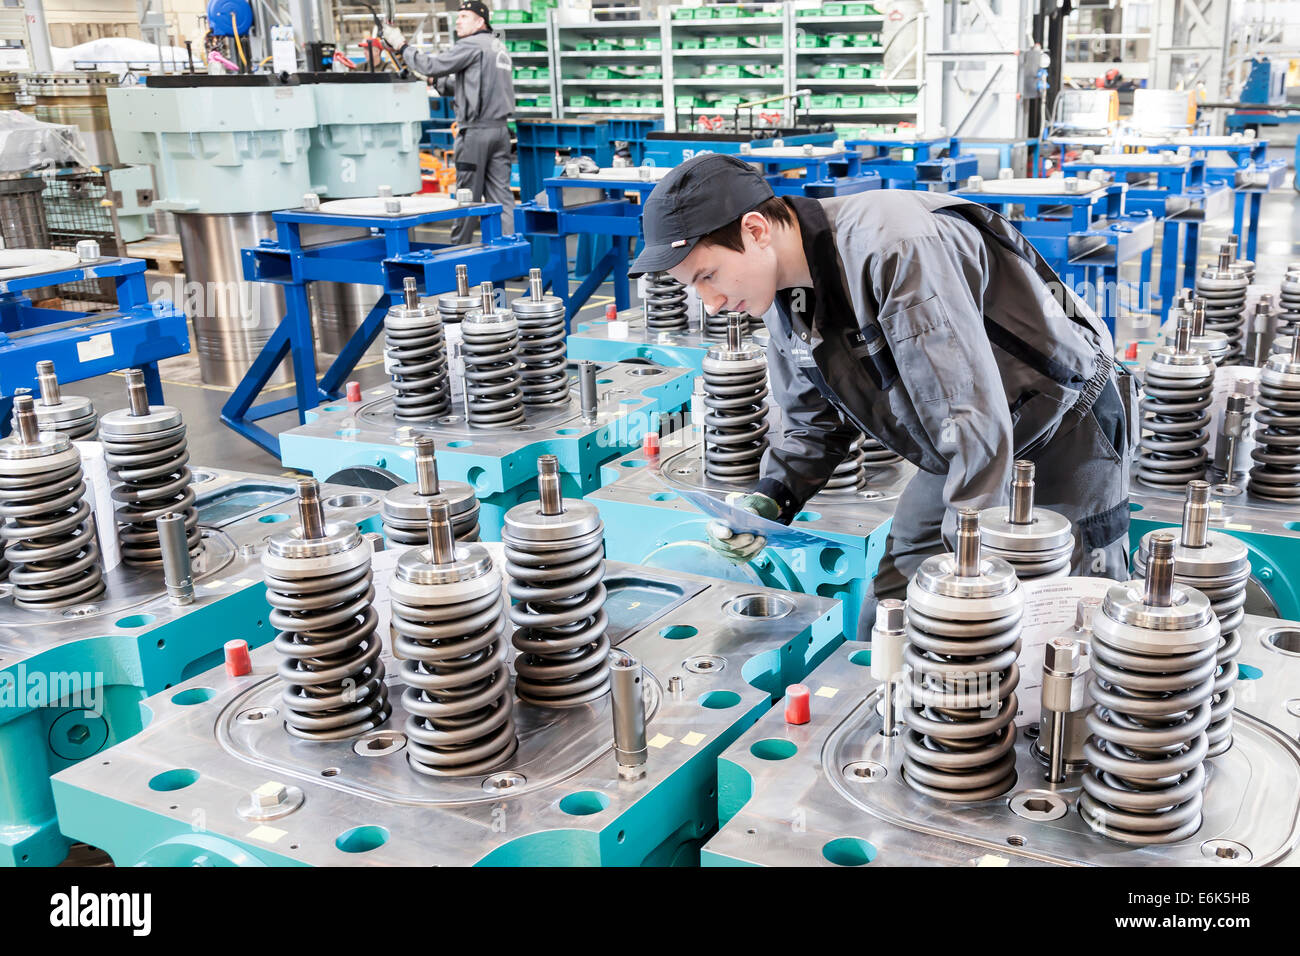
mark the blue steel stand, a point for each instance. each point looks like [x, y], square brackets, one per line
[85, 344]
[383, 258]
[1251, 175]
[1177, 194]
[840, 173]
[1081, 235]
[616, 216]
[612, 215]
[933, 162]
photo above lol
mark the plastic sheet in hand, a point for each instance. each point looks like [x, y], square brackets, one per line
[741, 521]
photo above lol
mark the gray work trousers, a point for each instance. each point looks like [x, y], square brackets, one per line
[1082, 473]
[482, 157]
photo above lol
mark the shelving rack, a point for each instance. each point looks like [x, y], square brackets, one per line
[612, 64]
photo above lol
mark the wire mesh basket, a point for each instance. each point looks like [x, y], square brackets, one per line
[79, 205]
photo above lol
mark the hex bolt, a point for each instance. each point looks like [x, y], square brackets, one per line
[310, 202]
[629, 715]
[178, 575]
[1062, 693]
[587, 390]
[888, 638]
[269, 795]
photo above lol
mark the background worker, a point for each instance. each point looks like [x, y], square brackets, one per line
[485, 97]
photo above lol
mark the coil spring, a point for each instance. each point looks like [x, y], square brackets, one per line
[326, 634]
[1289, 298]
[492, 376]
[82, 428]
[875, 454]
[1227, 596]
[458, 685]
[542, 352]
[155, 480]
[850, 475]
[1029, 565]
[47, 535]
[957, 672]
[665, 303]
[560, 618]
[418, 364]
[464, 525]
[1276, 472]
[735, 425]
[1149, 743]
[715, 326]
[1175, 411]
[1225, 307]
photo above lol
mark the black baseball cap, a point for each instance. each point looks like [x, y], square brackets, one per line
[473, 6]
[702, 194]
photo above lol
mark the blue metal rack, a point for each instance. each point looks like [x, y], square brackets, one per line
[933, 161]
[1251, 175]
[1177, 194]
[1084, 236]
[85, 344]
[384, 258]
[615, 216]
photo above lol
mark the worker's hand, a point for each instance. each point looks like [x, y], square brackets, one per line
[394, 38]
[741, 547]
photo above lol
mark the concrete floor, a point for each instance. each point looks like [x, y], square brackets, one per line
[212, 442]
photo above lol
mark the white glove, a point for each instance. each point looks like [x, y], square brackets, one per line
[394, 37]
[742, 547]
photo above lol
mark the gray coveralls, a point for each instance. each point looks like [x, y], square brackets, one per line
[934, 327]
[485, 98]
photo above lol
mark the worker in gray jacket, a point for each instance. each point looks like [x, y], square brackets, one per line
[485, 98]
[925, 321]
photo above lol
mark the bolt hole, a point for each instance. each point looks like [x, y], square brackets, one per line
[1016, 840]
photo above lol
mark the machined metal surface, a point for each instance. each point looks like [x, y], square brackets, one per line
[561, 785]
[405, 507]
[842, 779]
[72, 415]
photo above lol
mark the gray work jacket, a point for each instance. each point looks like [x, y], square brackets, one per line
[937, 329]
[485, 87]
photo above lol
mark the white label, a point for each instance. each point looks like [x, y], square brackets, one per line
[618, 329]
[282, 50]
[389, 363]
[1050, 607]
[100, 497]
[96, 347]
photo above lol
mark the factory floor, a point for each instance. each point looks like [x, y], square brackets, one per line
[212, 442]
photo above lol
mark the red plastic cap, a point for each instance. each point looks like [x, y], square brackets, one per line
[650, 444]
[238, 663]
[1131, 352]
[796, 704]
[611, 312]
[354, 391]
